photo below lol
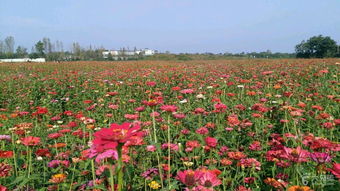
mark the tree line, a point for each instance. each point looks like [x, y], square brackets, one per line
[315, 47]
[52, 51]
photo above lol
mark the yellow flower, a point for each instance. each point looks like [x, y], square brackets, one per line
[188, 163]
[154, 185]
[58, 178]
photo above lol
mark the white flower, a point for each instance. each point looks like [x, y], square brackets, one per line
[278, 95]
[89, 143]
[209, 87]
[240, 86]
[60, 122]
[183, 101]
[200, 96]
[39, 158]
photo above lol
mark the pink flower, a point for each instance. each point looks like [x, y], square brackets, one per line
[295, 154]
[249, 162]
[320, 157]
[151, 83]
[154, 114]
[209, 180]
[335, 170]
[255, 146]
[140, 109]
[173, 147]
[131, 116]
[202, 131]
[220, 107]
[179, 115]
[169, 108]
[211, 142]
[30, 141]
[189, 177]
[107, 154]
[151, 148]
[187, 91]
[109, 138]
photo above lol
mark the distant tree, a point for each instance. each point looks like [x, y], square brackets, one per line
[21, 52]
[316, 47]
[9, 44]
[47, 45]
[39, 48]
[77, 51]
[2, 47]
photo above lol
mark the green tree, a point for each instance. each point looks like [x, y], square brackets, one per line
[39, 48]
[316, 47]
[21, 52]
[9, 44]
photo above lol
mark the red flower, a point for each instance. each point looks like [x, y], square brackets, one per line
[211, 142]
[169, 108]
[42, 110]
[189, 177]
[6, 154]
[335, 170]
[109, 138]
[233, 120]
[151, 83]
[3, 188]
[30, 141]
[43, 153]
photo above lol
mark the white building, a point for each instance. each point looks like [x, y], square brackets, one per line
[24, 60]
[122, 53]
[148, 52]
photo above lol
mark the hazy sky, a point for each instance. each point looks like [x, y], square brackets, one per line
[174, 25]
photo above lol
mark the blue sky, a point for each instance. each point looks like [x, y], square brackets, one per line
[174, 25]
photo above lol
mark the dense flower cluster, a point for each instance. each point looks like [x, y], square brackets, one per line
[237, 125]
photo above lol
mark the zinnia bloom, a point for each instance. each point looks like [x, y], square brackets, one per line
[335, 170]
[299, 188]
[30, 141]
[189, 177]
[320, 157]
[295, 154]
[211, 142]
[209, 179]
[6, 154]
[5, 169]
[58, 178]
[169, 108]
[109, 138]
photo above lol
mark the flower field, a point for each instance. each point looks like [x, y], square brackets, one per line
[163, 125]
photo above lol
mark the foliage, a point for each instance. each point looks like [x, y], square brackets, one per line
[317, 47]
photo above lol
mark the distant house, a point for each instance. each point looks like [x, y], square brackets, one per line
[126, 53]
[23, 60]
[148, 52]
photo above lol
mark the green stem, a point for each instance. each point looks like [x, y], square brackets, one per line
[112, 184]
[169, 153]
[120, 168]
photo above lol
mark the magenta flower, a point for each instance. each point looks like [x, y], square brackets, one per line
[320, 157]
[295, 154]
